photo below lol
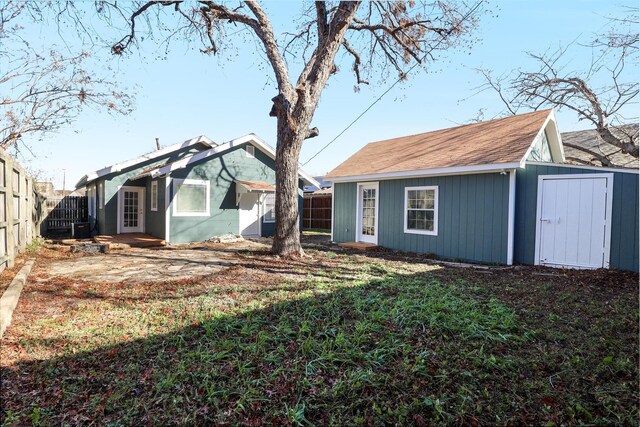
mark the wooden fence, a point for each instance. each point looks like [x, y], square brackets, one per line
[316, 212]
[21, 210]
[65, 211]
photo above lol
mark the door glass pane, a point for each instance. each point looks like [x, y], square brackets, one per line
[369, 212]
[130, 209]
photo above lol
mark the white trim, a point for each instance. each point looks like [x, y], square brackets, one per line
[593, 168]
[263, 205]
[608, 213]
[100, 195]
[553, 138]
[149, 156]
[407, 230]
[461, 170]
[167, 209]
[154, 183]
[511, 218]
[333, 209]
[251, 138]
[141, 205]
[206, 183]
[359, 209]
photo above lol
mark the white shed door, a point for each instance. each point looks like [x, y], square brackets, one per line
[574, 221]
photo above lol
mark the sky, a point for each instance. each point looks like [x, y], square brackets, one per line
[184, 93]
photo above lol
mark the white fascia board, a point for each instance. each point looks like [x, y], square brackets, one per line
[250, 138]
[149, 156]
[459, 170]
[587, 167]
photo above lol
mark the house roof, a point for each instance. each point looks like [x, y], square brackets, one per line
[590, 140]
[251, 138]
[90, 177]
[501, 142]
[257, 186]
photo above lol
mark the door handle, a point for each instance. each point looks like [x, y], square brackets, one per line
[545, 220]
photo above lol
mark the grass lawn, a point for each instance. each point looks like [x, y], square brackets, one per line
[332, 339]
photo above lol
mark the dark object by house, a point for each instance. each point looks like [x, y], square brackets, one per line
[80, 230]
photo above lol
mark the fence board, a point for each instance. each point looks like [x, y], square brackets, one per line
[316, 212]
[63, 212]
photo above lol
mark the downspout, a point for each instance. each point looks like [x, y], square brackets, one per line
[511, 216]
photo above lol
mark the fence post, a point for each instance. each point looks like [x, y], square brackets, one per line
[9, 210]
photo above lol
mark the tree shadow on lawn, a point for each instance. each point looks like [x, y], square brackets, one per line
[402, 349]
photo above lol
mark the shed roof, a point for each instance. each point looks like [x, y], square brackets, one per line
[494, 142]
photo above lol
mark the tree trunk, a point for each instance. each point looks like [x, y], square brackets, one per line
[286, 241]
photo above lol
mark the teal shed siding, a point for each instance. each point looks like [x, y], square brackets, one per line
[344, 214]
[624, 220]
[472, 216]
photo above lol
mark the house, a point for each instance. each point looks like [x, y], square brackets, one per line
[494, 192]
[590, 140]
[189, 191]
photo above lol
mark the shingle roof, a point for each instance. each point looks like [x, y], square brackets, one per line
[590, 140]
[496, 141]
[256, 185]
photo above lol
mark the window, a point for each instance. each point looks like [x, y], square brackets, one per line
[100, 195]
[421, 210]
[269, 207]
[191, 197]
[154, 195]
[540, 151]
[250, 150]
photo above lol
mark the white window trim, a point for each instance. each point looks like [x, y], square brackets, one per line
[178, 182]
[100, 195]
[264, 210]
[154, 200]
[435, 210]
[250, 151]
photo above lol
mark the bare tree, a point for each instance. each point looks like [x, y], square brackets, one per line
[43, 91]
[378, 38]
[602, 106]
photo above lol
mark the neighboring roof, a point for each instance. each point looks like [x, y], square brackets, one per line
[88, 178]
[500, 142]
[251, 138]
[321, 192]
[257, 186]
[321, 181]
[590, 140]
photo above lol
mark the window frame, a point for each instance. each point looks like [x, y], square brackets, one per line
[266, 219]
[154, 195]
[435, 210]
[202, 182]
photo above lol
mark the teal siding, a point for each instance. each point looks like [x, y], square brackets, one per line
[344, 215]
[221, 171]
[472, 217]
[624, 220]
[155, 220]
